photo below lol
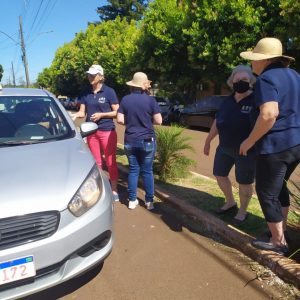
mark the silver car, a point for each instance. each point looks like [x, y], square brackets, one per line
[56, 207]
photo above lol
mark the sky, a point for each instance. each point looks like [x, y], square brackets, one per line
[47, 25]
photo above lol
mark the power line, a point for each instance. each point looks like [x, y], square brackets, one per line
[36, 15]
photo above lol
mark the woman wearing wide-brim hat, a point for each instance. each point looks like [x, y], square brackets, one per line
[138, 112]
[275, 135]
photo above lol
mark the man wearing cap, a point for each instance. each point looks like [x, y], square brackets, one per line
[275, 135]
[138, 112]
[100, 105]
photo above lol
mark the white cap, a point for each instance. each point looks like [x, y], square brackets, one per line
[95, 69]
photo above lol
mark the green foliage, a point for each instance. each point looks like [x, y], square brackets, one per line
[170, 160]
[163, 48]
[128, 10]
[220, 30]
[181, 45]
[110, 44]
[1, 72]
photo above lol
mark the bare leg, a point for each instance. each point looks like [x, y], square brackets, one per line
[226, 187]
[277, 233]
[245, 192]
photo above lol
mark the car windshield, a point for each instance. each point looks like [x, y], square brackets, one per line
[28, 120]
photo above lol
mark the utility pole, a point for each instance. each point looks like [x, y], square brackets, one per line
[24, 57]
[13, 74]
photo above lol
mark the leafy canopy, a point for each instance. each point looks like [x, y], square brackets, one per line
[127, 9]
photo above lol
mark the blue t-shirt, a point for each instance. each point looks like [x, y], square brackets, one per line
[233, 121]
[282, 85]
[138, 109]
[100, 102]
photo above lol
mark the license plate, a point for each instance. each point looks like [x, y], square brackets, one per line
[17, 269]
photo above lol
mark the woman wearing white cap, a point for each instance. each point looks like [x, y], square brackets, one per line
[138, 112]
[100, 105]
[275, 135]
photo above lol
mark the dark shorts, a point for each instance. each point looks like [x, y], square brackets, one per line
[226, 158]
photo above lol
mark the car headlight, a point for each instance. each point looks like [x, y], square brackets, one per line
[88, 194]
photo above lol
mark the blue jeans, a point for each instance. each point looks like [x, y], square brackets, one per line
[140, 156]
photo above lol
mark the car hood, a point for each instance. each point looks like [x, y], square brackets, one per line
[42, 177]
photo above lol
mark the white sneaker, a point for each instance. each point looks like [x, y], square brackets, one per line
[133, 204]
[149, 205]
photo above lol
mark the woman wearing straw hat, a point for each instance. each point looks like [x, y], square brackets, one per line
[275, 135]
[138, 112]
[232, 124]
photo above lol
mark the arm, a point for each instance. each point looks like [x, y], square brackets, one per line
[211, 135]
[107, 115]
[120, 118]
[267, 117]
[80, 113]
[157, 119]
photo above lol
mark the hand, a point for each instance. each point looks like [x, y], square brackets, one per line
[245, 146]
[95, 117]
[79, 114]
[206, 149]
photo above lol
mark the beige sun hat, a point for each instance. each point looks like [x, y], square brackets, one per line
[139, 79]
[265, 48]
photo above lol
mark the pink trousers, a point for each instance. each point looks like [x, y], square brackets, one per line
[105, 142]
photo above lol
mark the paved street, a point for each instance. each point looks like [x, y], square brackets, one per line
[156, 256]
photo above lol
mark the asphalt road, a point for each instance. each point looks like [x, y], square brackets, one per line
[159, 256]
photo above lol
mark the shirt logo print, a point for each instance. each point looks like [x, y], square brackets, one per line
[246, 109]
[101, 100]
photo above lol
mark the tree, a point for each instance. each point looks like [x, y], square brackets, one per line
[290, 32]
[44, 79]
[162, 48]
[110, 44]
[128, 9]
[220, 31]
[1, 72]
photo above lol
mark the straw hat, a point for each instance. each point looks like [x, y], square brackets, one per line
[139, 80]
[266, 48]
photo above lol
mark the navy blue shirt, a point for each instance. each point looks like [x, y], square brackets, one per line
[138, 109]
[100, 102]
[282, 85]
[233, 121]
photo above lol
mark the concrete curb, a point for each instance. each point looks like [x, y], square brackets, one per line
[287, 269]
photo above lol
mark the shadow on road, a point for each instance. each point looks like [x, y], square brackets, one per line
[176, 220]
[67, 287]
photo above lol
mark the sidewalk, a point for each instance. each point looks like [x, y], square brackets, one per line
[285, 268]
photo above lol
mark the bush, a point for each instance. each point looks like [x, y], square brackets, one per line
[170, 162]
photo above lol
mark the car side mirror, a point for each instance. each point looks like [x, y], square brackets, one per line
[88, 128]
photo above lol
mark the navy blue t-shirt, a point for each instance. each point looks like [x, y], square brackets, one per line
[100, 102]
[138, 109]
[233, 121]
[283, 86]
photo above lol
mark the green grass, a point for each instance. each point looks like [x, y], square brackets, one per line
[205, 194]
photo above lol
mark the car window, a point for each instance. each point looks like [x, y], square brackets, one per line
[31, 119]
